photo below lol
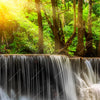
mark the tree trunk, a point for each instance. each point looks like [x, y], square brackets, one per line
[68, 4]
[74, 6]
[68, 43]
[80, 45]
[63, 15]
[40, 42]
[55, 26]
[89, 47]
[99, 49]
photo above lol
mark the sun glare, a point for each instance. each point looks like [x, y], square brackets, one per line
[9, 9]
[4, 0]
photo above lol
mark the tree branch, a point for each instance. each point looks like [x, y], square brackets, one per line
[49, 23]
[68, 43]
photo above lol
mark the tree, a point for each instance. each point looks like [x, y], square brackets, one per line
[80, 45]
[89, 38]
[99, 49]
[69, 41]
[74, 6]
[20, 20]
[40, 42]
[63, 17]
[59, 38]
[55, 30]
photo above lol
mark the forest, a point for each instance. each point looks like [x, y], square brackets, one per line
[69, 27]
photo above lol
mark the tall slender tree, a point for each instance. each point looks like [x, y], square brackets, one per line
[89, 46]
[63, 15]
[80, 45]
[74, 7]
[40, 42]
[56, 27]
[69, 41]
[55, 31]
[58, 43]
[98, 49]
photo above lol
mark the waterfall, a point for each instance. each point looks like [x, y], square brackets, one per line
[87, 78]
[48, 77]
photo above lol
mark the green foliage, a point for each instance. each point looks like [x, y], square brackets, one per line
[96, 9]
[2, 48]
[96, 29]
[19, 23]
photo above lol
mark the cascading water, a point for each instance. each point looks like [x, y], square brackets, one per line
[87, 78]
[42, 77]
